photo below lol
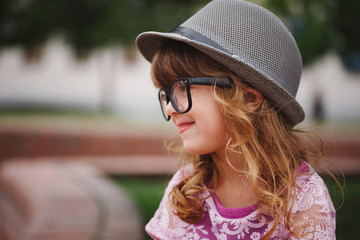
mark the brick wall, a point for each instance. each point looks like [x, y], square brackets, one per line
[35, 143]
[29, 143]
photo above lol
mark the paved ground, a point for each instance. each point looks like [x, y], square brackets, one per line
[56, 200]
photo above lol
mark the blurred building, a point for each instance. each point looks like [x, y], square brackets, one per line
[108, 79]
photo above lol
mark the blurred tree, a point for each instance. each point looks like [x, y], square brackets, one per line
[320, 26]
[87, 24]
[347, 23]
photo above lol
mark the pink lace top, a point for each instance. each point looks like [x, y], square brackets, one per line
[313, 212]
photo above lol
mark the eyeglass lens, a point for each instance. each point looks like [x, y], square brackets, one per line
[179, 96]
[179, 92]
[164, 102]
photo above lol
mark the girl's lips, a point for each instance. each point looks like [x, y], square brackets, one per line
[184, 126]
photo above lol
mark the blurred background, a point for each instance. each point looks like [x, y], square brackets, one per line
[81, 132]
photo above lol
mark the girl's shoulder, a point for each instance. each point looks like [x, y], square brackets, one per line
[312, 207]
[308, 177]
[310, 186]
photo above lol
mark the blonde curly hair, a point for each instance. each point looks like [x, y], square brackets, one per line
[272, 149]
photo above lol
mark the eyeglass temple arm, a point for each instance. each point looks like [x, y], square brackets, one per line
[218, 81]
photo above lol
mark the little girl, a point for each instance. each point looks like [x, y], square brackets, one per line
[228, 77]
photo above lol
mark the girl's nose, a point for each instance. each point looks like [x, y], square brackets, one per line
[170, 111]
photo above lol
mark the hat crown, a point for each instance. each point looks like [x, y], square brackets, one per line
[247, 39]
[253, 35]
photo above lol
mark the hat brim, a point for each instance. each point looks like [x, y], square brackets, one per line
[149, 42]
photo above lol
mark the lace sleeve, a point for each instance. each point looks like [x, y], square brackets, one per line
[313, 214]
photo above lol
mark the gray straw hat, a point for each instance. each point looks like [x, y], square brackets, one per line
[249, 40]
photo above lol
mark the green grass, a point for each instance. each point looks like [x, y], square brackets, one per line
[147, 193]
[347, 215]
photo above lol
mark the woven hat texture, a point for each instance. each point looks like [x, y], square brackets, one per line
[249, 40]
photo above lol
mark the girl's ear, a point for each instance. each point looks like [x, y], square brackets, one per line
[253, 99]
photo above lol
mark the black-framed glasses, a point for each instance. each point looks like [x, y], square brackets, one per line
[178, 93]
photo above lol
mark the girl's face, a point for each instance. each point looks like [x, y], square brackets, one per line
[202, 129]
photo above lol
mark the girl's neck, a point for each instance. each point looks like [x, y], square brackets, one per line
[231, 167]
[234, 189]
